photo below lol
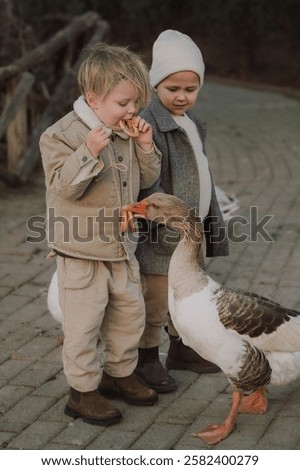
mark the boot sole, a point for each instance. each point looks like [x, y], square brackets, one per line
[160, 388]
[191, 367]
[113, 394]
[98, 422]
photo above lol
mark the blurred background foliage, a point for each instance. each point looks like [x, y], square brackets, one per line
[253, 40]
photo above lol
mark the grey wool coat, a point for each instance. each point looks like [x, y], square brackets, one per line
[179, 176]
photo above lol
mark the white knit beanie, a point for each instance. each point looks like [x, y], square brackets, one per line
[174, 52]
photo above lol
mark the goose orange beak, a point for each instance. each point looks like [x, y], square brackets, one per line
[137, 208]
[128, 212]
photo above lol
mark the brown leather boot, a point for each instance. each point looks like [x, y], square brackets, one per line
[91, 407]
[131, 389]
[153, 374]
[181, 357]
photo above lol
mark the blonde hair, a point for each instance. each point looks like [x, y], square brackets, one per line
[105, 66]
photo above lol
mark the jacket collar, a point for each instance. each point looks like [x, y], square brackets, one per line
[87, 115]
[165, 121]
[162, 116]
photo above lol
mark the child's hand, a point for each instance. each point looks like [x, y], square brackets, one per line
[144, 139]
[97, 140]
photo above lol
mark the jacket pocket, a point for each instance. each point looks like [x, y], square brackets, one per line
[79, 273]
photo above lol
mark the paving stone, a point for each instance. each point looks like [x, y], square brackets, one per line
[36, 436]
[4, 291]
[57, 387]
[37, 348]
[10, 395]
[5, 437]
[276, 438]
[115, 439]
[15, 338]
[27, 410]
[36, 374]
[13, 368]
[12, 303]
[77, 433]
[159, 436]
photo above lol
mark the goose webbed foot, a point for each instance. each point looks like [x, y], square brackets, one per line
[255, 403]
[215, 433]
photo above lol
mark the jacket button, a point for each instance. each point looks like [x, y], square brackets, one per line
[84, 159]
[120, 158]
[124, 184]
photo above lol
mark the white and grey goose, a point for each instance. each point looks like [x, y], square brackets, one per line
[253, 340]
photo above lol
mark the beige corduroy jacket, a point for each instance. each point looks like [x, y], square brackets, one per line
[84, 195]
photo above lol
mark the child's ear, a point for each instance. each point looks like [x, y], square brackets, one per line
[91, 99]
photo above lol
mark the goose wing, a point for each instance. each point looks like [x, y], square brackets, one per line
[251, 314]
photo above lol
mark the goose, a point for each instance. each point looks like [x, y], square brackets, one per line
[53, 302]
[52, 299]
[253, 340]
[228, 204]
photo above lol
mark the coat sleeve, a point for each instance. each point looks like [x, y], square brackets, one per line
[156, 186]
[68, 172]
[150, 165]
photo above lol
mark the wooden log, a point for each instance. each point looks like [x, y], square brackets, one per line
[17, 138]
[17, 99]
[53, 110]
[59, 40]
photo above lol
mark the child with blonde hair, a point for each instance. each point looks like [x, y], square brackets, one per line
[96, 159]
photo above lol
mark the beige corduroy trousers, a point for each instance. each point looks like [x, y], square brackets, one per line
[105, 297]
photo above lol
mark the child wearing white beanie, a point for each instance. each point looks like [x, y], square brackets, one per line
[177, 75]
[173, 52]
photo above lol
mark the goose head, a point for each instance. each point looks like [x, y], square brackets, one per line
[169, 210]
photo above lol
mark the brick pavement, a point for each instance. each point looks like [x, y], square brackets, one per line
[254, 147]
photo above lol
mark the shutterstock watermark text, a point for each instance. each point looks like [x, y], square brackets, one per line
[238, 229]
